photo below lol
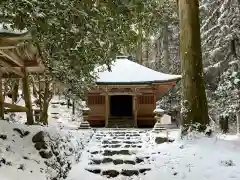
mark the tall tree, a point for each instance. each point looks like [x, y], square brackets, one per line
[166, 60]
[194, 102]
[74, 36]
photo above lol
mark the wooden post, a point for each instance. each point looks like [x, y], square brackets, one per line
[106, 107]
[135, 110]
[39, 92]
[27, 96]
[238, 122]
[155, 100]
[73, 107]
[1, 99]
[54, 88]
[15, 91]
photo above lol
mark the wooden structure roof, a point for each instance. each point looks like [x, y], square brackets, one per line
[126, 72]
[15, 54]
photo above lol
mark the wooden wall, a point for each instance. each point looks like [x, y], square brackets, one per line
[96, 103]
[146, 106]
[145, 117]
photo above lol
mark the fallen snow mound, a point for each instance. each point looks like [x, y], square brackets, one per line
[39, 153]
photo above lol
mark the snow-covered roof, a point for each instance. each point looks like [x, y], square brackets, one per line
[159, 110]
[124, 71]
[6, 28]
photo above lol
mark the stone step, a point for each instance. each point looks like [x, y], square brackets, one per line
[120, 123]
[120, 120]
[120, 126]
[112, 173]
[84, 125]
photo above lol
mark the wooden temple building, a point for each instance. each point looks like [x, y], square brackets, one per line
[126, 96]
[17, 60]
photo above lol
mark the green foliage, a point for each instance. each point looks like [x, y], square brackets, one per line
[75, 36]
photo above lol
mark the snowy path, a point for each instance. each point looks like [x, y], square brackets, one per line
[134, 154]
[113, 153]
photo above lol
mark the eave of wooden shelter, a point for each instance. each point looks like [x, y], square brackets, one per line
[15, 62]
[7, 40]
[11, 61]
[16, 71]
[12, 37]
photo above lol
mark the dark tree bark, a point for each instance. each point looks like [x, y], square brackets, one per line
[47, 96]
[15, 91]
[139, 54]
[166, 63]
[1, 99]
[27, 97]
[195, 109]
[73, 107]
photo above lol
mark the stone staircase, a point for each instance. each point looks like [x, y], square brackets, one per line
[120, 122]
[84, 125]
[119, 154]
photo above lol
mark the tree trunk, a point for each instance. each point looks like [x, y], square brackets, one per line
[27, 97]
[46, 99]
[1, 99]
[15, 91]
[238, 122]
[194, 106]
[39, 91]
[166, 63]
[73, 107]
[139, 47]
[146, 53]
[158, 55]
[5, 92]
[68, 103]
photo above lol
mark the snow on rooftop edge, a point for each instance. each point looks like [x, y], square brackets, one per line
[159, 110]
[8, 29]
[126, 71]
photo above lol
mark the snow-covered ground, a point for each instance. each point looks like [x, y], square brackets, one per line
[119, 153]
[134, 154]
[19, 157]
[59, 115]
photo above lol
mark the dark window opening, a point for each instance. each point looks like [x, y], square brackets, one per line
[121, 105]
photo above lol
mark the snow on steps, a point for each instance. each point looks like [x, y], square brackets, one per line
[84, 125]
[116, 153]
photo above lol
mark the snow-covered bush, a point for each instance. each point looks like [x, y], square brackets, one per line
[226, 96]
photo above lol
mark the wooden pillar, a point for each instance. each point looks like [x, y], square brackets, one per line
[135, 109]
[73, 107]
[27, 96]
[154, 99]
[1, 99]
[154, 104]
[39, 92]
[106, 109]
[54, 88]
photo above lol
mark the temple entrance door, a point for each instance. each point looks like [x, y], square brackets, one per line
[121, 105]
